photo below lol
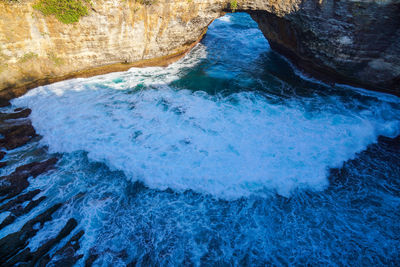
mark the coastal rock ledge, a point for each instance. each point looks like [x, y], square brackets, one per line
[355, 42]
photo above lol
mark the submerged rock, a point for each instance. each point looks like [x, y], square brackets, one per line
[93, 256]
[18, 114]
[13, 184]
[31, 258]
[16, 135]
[11, 244]
[65, 256]
[18, 209]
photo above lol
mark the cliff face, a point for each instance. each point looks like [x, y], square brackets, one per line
[37, 49]
[355, 42]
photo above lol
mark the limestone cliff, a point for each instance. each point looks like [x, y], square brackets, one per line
[115, 35]
[352, 41]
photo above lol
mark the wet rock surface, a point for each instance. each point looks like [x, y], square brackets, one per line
[31, 258]
[13, 184]
[16, 207]
[15, 129]
[11, 244]
[19, 203]
[67, 255]
[18, 114]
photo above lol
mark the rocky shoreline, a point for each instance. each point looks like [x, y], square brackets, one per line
[12, 92]
[19, 201]
[36, 49]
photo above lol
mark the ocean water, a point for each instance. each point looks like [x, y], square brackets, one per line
[227, 157]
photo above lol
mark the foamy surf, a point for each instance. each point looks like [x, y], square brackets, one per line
[216, 125]
[228, 146]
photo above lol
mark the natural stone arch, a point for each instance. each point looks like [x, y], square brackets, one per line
[355, 42]
[350, 42]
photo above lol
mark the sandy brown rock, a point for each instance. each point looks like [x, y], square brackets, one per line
[23, 113]
[116, 35]
[356, 42]
[16, 135]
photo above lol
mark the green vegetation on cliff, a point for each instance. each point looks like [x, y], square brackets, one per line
[233, 5]
[66, 11]
[27, 57]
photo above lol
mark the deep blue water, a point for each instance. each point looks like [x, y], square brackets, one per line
[228, 157]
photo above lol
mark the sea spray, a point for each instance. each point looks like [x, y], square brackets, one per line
[228, 146]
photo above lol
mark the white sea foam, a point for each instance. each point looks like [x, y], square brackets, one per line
[229, 147]
[226, 18]
[379, 95]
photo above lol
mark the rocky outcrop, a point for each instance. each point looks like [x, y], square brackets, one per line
[116, 35]
[13, 184]
[15, 129]
[351, 41]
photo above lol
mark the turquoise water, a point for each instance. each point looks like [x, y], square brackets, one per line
[228, 157]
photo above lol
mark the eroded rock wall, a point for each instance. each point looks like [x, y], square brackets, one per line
[117, 34]
[352, 42]
[355, 42]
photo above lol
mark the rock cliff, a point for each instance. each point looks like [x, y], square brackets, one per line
[351, 41]
[115, 35]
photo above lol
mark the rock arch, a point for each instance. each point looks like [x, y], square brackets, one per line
[351, 42]
[355, 42]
